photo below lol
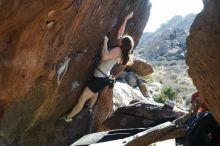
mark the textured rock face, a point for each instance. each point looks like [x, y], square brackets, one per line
[123, 94]
[47, 50]
[203, 55]
[141, 114]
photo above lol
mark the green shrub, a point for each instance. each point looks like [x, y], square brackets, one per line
[170, 93]
[167, 93]
[184, 97]
[173, 63]
[160, 99]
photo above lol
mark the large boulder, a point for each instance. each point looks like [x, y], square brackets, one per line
[142, 114]
[141, 67]
[123, 94]
[203, 56]
[47, 51]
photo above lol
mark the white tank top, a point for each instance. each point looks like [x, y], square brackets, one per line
[105, 66]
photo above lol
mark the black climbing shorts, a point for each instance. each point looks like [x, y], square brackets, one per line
[96, 84]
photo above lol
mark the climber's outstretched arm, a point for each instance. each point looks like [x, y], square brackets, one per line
[112, 54]
[122, 28]
[105, 47]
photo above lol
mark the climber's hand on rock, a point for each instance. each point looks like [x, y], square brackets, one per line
[129, 16]
[106, 39]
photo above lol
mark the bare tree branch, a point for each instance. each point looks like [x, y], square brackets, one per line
[161, 132]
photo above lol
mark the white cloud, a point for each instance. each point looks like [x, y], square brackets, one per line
[163, 10]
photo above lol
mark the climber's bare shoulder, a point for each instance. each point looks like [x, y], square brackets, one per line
[113, 54]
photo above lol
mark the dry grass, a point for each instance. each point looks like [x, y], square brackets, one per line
[173, 74]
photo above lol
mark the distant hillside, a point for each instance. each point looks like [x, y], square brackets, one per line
[165, 49]
[168, 42]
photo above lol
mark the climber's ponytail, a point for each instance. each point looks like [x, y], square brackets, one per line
[127, 50]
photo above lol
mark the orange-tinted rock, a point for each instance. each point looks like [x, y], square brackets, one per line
[47, 50]
[102, 109]
[117, 70]
[203, 55]
[141, 67]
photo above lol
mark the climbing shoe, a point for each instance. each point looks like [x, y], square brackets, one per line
[68, 120]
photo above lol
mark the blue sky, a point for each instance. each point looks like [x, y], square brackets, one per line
[164, 10]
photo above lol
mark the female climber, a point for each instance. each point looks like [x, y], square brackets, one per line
[109, 57]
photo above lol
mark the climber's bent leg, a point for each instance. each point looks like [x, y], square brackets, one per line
[86, 94]
[93, 101]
